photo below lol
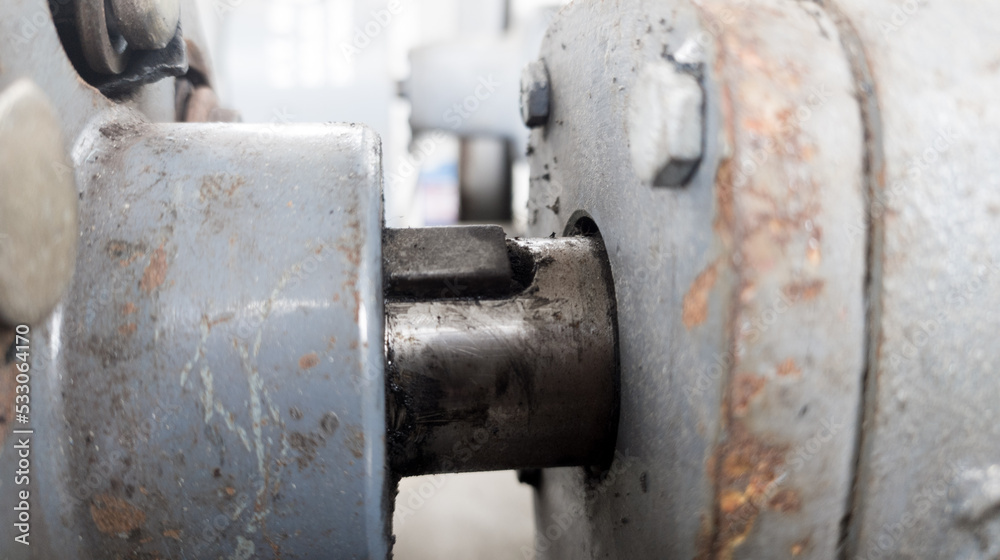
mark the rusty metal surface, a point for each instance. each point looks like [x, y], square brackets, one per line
[928, 475]
[492, 383]
[213, 385]
[741, 299]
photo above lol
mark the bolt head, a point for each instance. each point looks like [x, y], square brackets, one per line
[535, 94]
[665, 125]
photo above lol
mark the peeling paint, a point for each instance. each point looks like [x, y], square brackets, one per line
[155, 273]
[115, 516]
[309, 361]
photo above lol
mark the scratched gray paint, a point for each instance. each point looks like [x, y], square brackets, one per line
[928, 474]
[225, 257]
[227, 303]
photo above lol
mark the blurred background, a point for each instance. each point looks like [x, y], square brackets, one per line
[439, 81]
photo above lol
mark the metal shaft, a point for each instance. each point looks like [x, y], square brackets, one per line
[529, 379]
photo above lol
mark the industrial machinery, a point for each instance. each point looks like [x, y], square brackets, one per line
[754, 316]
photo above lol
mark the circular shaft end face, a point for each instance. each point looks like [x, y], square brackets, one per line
[38, 207]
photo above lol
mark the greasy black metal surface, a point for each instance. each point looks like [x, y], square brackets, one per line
[146, 67]
[433, 262]
[525, 380]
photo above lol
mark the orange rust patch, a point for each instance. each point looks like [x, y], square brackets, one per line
[131, 259]
[129, 308]
[224, 319]
[804, 291]
[785, 501]
[308, 361]
[813, 254]
[726, 216]
[356, 442]
[788, 367]
[172, 534]
[745, 388]
[156, 271]
[730, 501]
[230, 491]
[746, 484]
[128, 329]
[214, 186]
[695, 309]
[113, 515]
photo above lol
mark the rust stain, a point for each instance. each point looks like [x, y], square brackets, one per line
[308, 361]
[804, 291]
[215, 186]
[172, 534]
[223, 319]
[126, 262]
[813, 254]
[747, 482]
[230, 491]
[129, 308]
[156, 272]
[785, 501]
[695, 309]
[745, 388]
[789, 368]
[766, 218]
[128, 329]
[125, 252]
[113, 515]
[306, 447]
[356, 442]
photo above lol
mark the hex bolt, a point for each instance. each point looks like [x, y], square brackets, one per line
[535, 94]
[147, 24]
[38, 207]
[665, 125]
